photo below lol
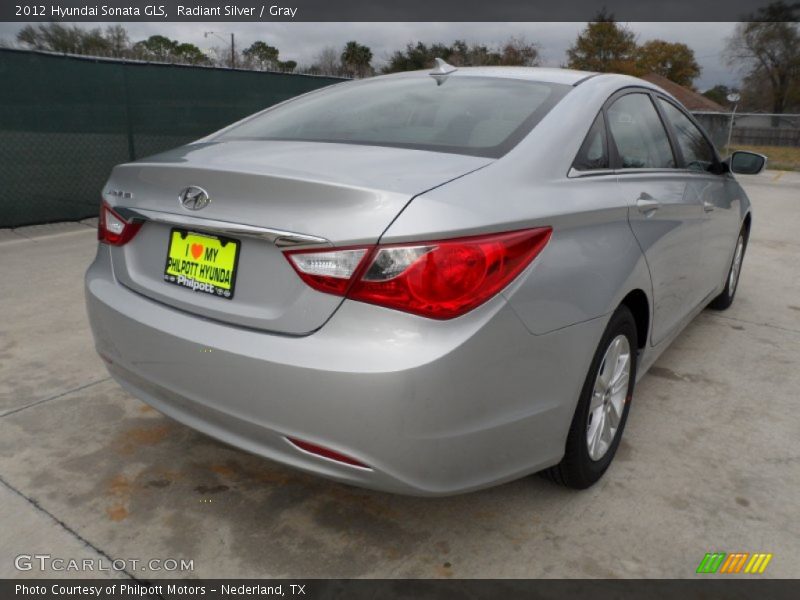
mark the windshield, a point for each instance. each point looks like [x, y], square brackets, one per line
[481, 116]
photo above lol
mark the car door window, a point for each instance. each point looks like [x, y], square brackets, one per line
[697, 152]
[639, 134]
[594, 151]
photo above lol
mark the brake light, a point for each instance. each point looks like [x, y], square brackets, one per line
[438, 279]
[113, 229]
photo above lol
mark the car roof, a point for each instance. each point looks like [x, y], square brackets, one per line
[571, 77]
[542, 74]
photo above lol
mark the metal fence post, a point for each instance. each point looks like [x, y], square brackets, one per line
[730, 129]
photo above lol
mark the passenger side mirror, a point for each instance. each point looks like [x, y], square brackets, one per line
[746, 163]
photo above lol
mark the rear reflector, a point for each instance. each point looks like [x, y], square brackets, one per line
[326, 453]
[113, 229]
[436, 279]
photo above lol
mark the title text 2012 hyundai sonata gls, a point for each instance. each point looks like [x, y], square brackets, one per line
[424, 283]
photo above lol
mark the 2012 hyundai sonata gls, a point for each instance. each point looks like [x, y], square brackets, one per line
[424, 283]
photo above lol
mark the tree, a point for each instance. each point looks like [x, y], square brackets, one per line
[356, 60]
[190, 54]
[604, 46]
[514, 52]
[414, 57]
[157, 47]
[327, 62]
[767, 47]
[119, 44]
[220, 56]
[163, 49]
[518, 52]
[460, 54]
[675, 61]
[93, 43]
[55, 37]
[262, 54]
[287, 66]
[52, 37]
[719, 94]
[757, 97]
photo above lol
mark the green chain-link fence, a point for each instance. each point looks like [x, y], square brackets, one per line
[66, 121]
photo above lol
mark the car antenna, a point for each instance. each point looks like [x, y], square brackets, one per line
[441, 71]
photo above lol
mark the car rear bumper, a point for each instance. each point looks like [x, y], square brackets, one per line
[432, 407]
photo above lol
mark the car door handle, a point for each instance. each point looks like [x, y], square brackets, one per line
[647, 205]
[708, 206]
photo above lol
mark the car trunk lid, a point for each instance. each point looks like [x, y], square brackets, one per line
[265, 195]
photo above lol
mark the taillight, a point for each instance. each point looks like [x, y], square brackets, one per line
[113, 229]
[328, 271]
[438, 279]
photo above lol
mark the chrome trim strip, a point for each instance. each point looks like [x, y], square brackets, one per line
[575, 173]
[279, 237]
[649, 171]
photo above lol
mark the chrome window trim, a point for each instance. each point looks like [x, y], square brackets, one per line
[654, 170]
[577, 173]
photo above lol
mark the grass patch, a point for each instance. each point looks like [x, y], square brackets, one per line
[782, 158]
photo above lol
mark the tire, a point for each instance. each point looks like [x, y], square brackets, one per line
[725, 299]
[585, 458]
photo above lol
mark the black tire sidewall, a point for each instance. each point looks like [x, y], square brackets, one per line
[725, 299]
[584, 471]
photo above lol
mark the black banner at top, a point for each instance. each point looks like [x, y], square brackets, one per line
[394, 10]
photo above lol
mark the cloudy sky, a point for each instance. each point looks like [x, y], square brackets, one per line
[302, 41]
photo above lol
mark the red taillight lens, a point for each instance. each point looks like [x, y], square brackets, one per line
[113, 229]
[439, 280]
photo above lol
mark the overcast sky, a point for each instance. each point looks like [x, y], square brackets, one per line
[302, 41]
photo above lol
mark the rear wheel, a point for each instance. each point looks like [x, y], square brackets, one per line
[603, 406]
[725, 299]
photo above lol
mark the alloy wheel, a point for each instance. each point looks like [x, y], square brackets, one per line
[736, 267]
[608, 397]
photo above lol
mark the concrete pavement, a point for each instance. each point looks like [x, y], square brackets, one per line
[710, 460]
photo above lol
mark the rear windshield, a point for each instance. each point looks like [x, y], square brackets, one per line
[480, 116]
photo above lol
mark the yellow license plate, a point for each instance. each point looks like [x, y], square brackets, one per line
[202, 263]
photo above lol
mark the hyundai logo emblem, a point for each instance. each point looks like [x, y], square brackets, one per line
[193, 198]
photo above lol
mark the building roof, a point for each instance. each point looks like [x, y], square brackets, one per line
[689, 98]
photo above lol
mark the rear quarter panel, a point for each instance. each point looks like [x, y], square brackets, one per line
[592, 260]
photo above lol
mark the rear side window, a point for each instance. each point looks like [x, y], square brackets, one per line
[481, 116]
[638, 134]
[697, 152]
[594, 151]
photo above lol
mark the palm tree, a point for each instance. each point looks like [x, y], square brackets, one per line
[356, 60]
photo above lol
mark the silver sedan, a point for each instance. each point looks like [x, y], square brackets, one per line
[424, 283]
